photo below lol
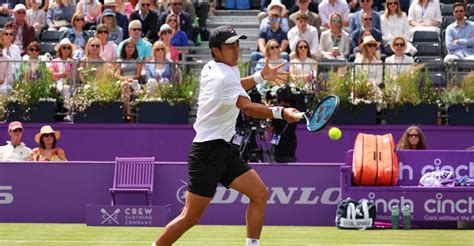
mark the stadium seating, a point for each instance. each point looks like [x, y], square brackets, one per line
[428, 49]
[433, 63]
[446, 21]
[48, 47]
[446, 9]
[51, 36]
[133, 175]
[4, 20]
[425, 36]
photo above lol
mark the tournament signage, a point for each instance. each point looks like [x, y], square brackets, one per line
[104, 215]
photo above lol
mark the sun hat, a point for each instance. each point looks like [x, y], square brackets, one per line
[65, 41]
[110, 3]
[368, 40]
[276, 3]
[45, 130]
[223, 35]
[108, 12]
[15, 125]
[19, 7]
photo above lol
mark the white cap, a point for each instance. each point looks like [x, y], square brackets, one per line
[19, 7]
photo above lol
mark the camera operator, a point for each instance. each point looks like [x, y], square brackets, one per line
[284, 140]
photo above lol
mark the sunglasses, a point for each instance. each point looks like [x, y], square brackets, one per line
[177, 4]
[8, 34]
[160, 49]
[274, 19]
[20, 12]
[18, 130]
[399, 44]
[392, 3]
[48, 135]
[336, 21]
[371, 45]
[413, 135]
[303, 47]
[367, 19]
[166, 32]
[103, 31]
[274, 47]
[80, 19]
[364, 1]
[33, 49]
[136, 29]
[172, 20]
[95, 45]
[459, 11]
[66, 48]
[146, 4]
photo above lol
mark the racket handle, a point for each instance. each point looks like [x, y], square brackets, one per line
[299, 115]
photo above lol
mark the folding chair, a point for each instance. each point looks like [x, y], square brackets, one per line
[133, 175]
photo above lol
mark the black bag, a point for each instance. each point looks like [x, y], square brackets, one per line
[351, 214]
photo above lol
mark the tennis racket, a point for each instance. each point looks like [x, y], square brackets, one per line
[322, 114]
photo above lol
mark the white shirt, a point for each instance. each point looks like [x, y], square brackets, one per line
[218, 93]
[18, 153]
[397, 68]
[395, 25]
[310, 35]
[420, 14]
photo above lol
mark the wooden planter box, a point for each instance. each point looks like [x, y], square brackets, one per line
[101, 113]
[163, 112]
[44, 111]
[459, 114]
[365, 114]
[409, 114]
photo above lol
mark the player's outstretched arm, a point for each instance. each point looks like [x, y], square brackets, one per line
[258, 110]
[267, 73]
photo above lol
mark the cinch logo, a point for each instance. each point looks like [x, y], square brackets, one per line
[110, 217]
[459, 170]
[440, 205]
[294, 195]
[6, 197]
[385, 206]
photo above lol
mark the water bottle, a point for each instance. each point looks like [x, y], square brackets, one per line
[395, 216]
[406, 217]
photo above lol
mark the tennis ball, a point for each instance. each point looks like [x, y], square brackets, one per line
[335, 133]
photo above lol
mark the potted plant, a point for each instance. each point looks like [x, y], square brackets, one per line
[32, 99]
[98, 99]
[358, 98]
[168, 103]
[459, 101]
[410, 99]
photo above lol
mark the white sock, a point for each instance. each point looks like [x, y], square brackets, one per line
[153, 244]
[252, 242]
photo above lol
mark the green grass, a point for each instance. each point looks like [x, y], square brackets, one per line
[80, 234]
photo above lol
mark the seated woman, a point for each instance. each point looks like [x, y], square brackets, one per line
[272, 52]
[160, 71]
[76, 33]
[61, 67]
[179, 37]
[108, 50]
[47, 139]
[30, 67]
[394, 23]
[115, 31]
[59, 15]
[303, 68]
[401, 62]
[335, 43]
[424, 15]
[92, 63]
[412, 139]
[166, 34]
[6, 72]
[369, 63]
[91, 10]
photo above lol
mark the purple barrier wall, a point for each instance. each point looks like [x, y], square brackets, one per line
[303, 194]
[103, 142]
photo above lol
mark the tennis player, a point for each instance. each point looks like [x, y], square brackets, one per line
[213, 159]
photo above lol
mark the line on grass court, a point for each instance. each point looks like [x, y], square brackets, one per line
[62, 242]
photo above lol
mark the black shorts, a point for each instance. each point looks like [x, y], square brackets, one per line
[211, 163]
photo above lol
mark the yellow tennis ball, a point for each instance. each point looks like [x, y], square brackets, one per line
[335, 133]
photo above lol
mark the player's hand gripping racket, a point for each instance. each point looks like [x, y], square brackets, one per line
[322, 114]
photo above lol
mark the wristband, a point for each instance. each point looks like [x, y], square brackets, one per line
[277, 112]
[258, 77]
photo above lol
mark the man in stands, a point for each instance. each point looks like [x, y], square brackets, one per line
[149, 20]
[367, 20]
[313, 18]
[24, 33]
[356, 18]
[14, 150]
[327, 7]
[304, 31]
[143, 46]
[184, 18]
[460, 36]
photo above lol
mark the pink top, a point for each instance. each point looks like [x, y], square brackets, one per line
[109, 51]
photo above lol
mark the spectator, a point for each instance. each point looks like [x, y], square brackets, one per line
[395, 23]
[369, 64]
[108, 49]
[6, 6]
[42, 5]
[35, 16]
[121, 19]
[47, 139]
[460, 36]
[115, 32]
[129, 69]
[76, 33]
[10, 49]
[304, 31]
[24, 33]
[59, 15]
[367, 20]
[61, 68]
[143, 46]
[273, 32]
[335, 43]
[424, 15]
[30, 68]
[92, 63]
[265, 3]
[91, 10]
[166, 33]
[6, 72]
[15, 149]
[313, 18]
[412, 139]
[273, 54]
[161, 71]
[179, 37]
[184, 18]
[148, 19]
[302, 67]
[327, 7]
[356, 22]
[401, 62]
[279, 8]
[202, 8]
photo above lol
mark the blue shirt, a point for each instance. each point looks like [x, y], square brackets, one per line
[268, 34]
[464, 35]
[180, 39]
[356, 21]
[143, 47]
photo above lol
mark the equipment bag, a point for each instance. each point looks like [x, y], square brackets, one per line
[374, 162]
[351, 214]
